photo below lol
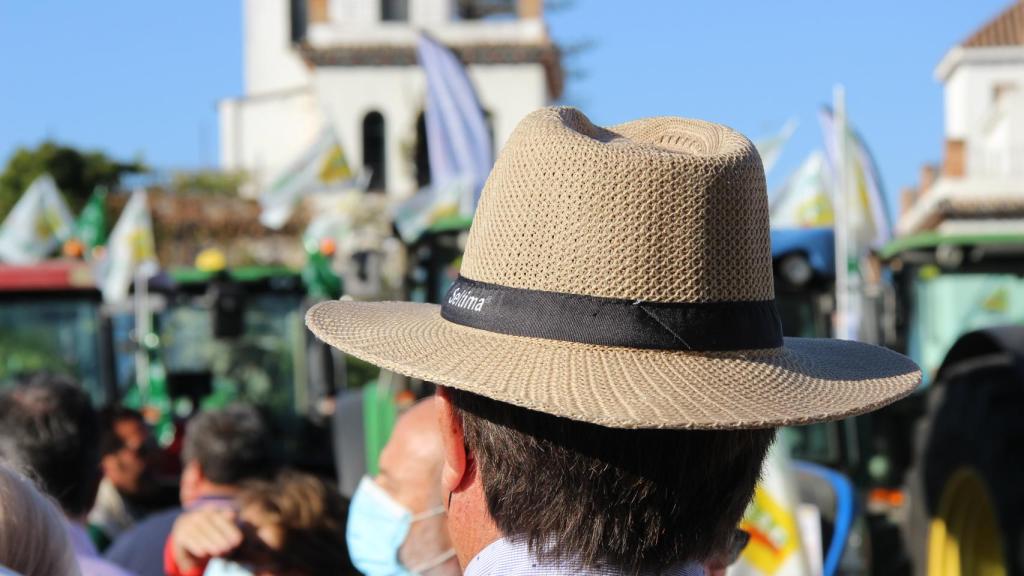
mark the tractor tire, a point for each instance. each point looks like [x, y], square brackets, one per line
[965, 491]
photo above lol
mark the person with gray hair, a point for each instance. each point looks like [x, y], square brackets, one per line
[222, 449]
[33, 539]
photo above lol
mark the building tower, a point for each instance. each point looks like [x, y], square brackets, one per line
[351, 64]
[980, 184]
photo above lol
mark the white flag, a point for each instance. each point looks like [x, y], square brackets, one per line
[805, 200]
[417, 214]
[37, 225]
[867, 213]
[458, 139]
[321, 167]
[130, 248]
[771, 148]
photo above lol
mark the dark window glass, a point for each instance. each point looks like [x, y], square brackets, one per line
[394, 10]
[298, 20]
[422, 156]
[373, 151]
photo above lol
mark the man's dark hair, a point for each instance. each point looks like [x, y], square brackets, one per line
[49, 428]
[230, 444]
[636, 500]
[109, 418]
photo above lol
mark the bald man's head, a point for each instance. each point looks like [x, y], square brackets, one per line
[410, 472]
[410, 464]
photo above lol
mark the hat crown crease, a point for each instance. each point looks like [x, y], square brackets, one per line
[661, 209]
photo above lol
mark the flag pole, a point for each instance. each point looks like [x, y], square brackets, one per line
[841, 320]
[143, 326]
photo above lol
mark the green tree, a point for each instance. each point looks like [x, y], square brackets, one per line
[77, 172]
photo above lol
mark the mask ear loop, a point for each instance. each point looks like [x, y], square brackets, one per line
[435, 511]
[431, 564]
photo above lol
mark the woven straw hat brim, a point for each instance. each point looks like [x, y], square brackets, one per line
[806, 381]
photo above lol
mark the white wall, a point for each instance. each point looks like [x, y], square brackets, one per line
[969, 89]
[263, 135]
[270, 62]
[285, 103]
[994, 142]
[508, 92]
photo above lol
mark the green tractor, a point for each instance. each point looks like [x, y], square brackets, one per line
[960, 304]
[208, 339]
[938, 482]
[217, 337]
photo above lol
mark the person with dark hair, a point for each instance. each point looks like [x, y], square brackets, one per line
[130, 489]
[293, 525]
[48, 428]
[222, 449]
[610, 363]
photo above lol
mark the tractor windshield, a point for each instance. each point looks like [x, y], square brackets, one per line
[52, 332]
[258, 366]
[946, 305]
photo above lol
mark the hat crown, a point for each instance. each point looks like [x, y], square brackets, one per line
[660, 210]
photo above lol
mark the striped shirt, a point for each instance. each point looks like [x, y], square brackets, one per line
[507, 558]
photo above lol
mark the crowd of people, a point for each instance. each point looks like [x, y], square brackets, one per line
[80, 494]
[610, 374]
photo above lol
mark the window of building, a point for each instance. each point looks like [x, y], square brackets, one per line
[373, 151]
[394, 10]
[1003, 90]
[298, 19]
[480, 9]
[489, 120]
[422, 157]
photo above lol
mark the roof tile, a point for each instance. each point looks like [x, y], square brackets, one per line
[1006, 29]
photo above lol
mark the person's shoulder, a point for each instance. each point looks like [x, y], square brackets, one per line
[97, 566]
[155, 527]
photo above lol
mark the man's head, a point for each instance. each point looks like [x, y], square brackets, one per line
[635, 499]
[409, 484]
[48, 427]
[128, 451]
[293, 525]
[223, 448]
[410, 472]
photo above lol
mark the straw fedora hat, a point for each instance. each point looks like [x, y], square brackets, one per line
[622, 276]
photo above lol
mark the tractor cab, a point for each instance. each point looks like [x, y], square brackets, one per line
[232, 335]
[960, 312]
[51, 320]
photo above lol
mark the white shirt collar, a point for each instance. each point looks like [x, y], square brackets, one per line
[513, 558]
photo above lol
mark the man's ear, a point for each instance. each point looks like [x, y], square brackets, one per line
[191, 478]
[454, 470]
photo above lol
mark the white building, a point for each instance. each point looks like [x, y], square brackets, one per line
[981, 180]
[352, 64]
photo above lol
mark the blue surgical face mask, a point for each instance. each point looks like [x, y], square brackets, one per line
[377, 526]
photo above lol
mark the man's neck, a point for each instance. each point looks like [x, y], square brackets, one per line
[211, 490]
[470, 524]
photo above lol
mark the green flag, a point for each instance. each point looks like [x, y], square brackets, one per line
[91, 227]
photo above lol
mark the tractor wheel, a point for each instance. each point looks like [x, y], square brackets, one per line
[966, 489]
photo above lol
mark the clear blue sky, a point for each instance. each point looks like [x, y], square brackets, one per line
[143, 78]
